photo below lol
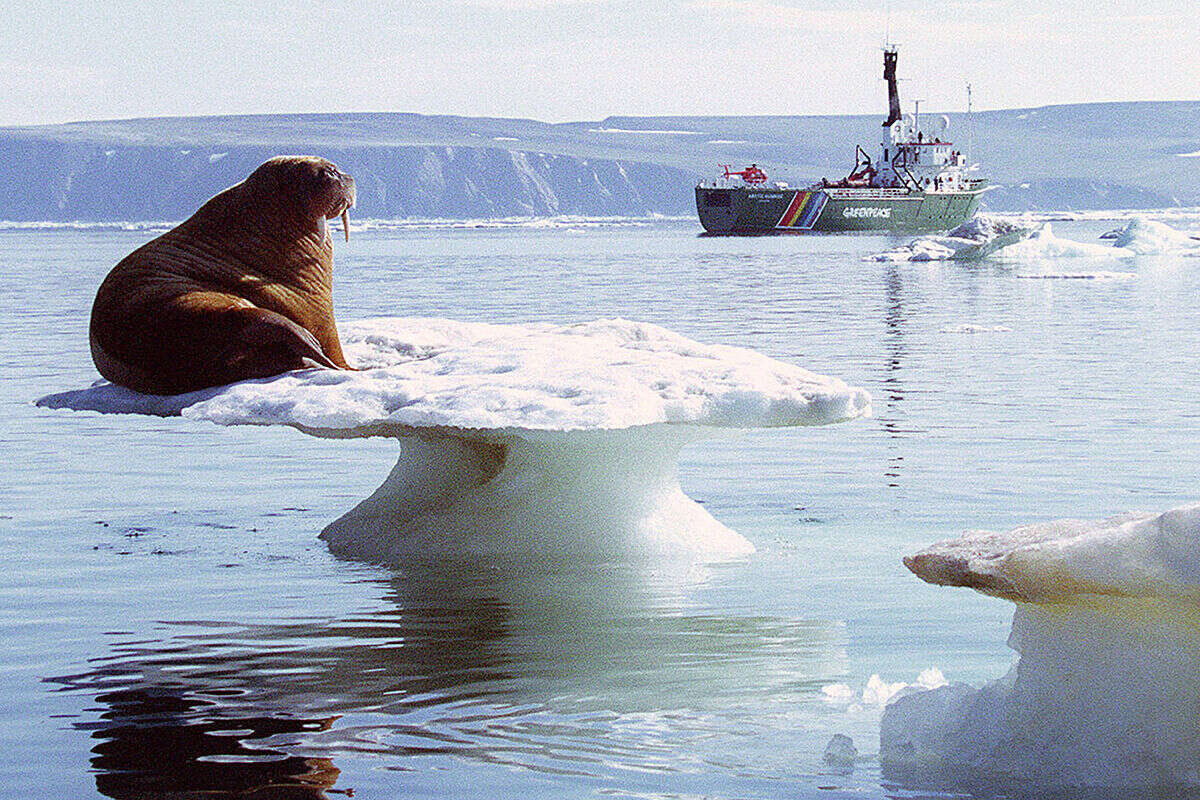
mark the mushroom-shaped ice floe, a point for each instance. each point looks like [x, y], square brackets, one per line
[1107, 687]
[514, 437]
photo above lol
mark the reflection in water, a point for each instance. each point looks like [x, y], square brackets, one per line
[562, 671]
[894, 323]
[162, 741]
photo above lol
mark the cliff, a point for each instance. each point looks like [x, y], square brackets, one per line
[1115, 155]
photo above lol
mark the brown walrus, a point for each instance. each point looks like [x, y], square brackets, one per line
[242, 289]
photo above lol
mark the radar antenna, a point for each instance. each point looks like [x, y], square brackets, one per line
[889, 75]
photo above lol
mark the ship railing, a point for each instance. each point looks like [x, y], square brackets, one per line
[865, 192]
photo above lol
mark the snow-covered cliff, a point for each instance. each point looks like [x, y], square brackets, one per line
[1114, 155]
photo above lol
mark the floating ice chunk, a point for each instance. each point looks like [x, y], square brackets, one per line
[1146, 236]
[838, 693]
[1044, 244]
[931, 678]
[555, 437]
[878, 691]
[1106, 691]
[434, 373]
[974, 239]
[1182, 213]
[1024, 239]
[1103, 275]
[971, 328]
[1131, 555]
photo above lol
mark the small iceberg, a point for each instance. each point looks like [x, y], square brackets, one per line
[555, 439]
[1106, 690]
[1148, 237]
[1139, 237]
[974, 239]
[1024, 239]
[1043, 243]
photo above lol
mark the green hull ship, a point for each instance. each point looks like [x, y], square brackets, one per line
[918, 183]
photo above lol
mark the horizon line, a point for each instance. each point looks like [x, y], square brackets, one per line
[582, 121]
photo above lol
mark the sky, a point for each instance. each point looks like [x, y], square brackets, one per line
[563, 60]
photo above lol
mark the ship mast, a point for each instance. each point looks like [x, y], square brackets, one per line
[970, 128]
[889, 75]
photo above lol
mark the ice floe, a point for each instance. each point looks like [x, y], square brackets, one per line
[1042, 243]
[972, 328]
[974, 239]
[1140, 236]
[1106, 690]
[1146, 237]
[1174, 213]
[1091, 275]
[557, 222]
[1027, 239]
[563, 435]
[135, 227]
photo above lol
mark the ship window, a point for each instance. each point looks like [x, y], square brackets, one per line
[718, 200]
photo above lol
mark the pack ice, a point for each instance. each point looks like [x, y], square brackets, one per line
[974, 239]
[1027, 239]
[1106, 690]
[550, 438]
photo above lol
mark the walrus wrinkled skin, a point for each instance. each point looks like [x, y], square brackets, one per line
[242, 289]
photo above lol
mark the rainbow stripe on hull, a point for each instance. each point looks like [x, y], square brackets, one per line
[803, 211]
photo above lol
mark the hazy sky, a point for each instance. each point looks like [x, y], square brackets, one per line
[560, 60]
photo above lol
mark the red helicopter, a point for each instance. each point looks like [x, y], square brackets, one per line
[751, 174]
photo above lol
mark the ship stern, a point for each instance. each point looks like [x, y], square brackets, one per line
[716, 209]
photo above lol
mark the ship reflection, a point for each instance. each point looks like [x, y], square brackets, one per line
[894, 321]
[541, 671]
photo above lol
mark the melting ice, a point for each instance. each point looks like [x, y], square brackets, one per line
[555, 438]
[974, 239]
[1106, 690]
[1027, 239]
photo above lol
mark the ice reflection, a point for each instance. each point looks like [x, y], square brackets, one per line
[553, 668]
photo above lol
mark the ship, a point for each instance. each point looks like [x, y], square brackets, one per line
[919, 181]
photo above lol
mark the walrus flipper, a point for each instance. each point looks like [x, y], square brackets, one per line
[269, 344]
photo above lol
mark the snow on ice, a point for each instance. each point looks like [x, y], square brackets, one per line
[555, 437]
[1026, 239]
[1106, 690]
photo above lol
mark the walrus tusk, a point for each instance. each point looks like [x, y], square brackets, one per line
[346, 222]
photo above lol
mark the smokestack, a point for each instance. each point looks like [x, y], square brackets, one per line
[889, 75]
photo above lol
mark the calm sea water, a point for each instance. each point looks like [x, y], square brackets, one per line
[171, 626]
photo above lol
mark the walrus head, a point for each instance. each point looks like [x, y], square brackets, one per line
[315, 188]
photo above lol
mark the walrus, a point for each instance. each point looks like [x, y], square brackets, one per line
[242, 289]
